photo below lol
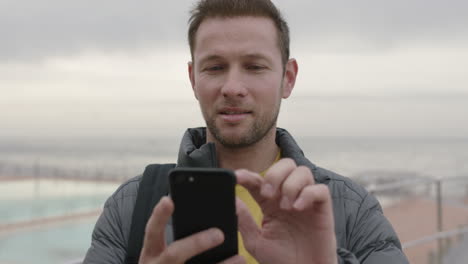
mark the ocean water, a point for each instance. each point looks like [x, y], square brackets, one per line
[25, 201]
[119, 159]
[16, 210]
[431, 157]
[57, 244]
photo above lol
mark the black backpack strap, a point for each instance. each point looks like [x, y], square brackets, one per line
[153, 186]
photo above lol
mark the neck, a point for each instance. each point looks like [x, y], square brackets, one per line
[257, 157]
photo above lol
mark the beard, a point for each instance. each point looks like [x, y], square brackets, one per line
[255, 132]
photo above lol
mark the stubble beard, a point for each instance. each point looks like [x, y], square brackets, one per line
[256, 132]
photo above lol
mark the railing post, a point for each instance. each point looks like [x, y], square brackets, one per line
[460, 235]
[432, 257]
[439, 219]
[466, 194]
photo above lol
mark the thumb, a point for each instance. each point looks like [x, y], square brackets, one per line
[154, 242]
[247, 226]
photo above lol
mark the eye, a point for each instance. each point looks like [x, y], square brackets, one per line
[255, 67]
[214, 68]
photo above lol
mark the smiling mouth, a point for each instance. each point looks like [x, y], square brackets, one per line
[234, 115]
[235, 112]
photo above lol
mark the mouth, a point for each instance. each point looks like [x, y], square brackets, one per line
[232, 111]
[234, 115]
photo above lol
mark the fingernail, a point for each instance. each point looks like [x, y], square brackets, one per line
[299, 204]
[267, 190]
[285, 204]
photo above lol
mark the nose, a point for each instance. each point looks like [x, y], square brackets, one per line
[234, 85]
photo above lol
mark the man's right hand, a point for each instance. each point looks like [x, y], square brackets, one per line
[155, 250]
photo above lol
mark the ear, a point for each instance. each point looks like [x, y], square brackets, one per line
[192, 77]
[289, 78]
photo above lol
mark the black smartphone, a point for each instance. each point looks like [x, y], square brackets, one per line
[205, 198]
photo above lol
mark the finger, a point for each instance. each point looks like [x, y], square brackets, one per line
[317, 195]
[182, 250]
[293, 185]
[154, 242]
[248, 179]
[275, 176]
[252, 182]
[237, 259]
[247, 226]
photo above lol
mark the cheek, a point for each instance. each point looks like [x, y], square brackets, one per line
[205, 92]
[268, 91]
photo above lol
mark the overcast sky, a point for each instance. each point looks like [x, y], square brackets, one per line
[374, 67]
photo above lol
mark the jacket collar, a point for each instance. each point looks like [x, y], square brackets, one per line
[195, 152]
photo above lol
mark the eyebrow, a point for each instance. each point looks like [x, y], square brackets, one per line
[256, 56]
[210, 58]
[246, 56]
[259, 56]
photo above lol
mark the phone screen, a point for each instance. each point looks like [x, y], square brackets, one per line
[205, 198]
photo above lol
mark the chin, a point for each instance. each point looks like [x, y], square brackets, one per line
[240, 135]
[237, 139]
[232, 136]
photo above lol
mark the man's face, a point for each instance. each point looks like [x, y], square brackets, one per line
[237, 77]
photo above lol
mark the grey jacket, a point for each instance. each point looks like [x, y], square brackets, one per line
[363, 233]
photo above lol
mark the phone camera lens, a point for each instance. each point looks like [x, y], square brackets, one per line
[191, 179]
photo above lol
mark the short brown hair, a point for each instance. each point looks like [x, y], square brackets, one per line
[238, 8]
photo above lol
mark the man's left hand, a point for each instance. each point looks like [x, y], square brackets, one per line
[298, 224]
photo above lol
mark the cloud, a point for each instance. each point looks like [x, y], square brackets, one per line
[378, 24]
[36, 29]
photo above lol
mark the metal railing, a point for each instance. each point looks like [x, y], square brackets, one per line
[436, 236]
[440, 236]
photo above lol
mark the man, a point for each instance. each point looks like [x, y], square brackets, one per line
[290, 210]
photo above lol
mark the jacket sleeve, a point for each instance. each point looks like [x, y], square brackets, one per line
[111, 232]
[372, 240]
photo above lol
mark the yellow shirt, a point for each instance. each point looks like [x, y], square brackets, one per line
[256, 212]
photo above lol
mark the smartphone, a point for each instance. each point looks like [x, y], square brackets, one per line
[205, 198]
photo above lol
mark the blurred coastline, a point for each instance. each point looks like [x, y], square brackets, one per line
[117, 159]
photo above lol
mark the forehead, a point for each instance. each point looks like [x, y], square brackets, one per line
[237, 35]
